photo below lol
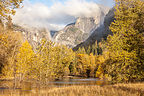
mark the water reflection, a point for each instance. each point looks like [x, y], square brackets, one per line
[82, 81]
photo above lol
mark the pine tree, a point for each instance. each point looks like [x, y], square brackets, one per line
[95, 48]
[81, 50]
[88, 50]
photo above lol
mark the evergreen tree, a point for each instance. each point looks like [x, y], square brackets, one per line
[88, 51]
[81, 50]
[95, 48]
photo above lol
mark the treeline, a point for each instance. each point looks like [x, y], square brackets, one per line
[119, 59]
[50, 61]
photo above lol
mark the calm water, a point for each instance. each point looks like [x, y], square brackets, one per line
[78, 81]
[6, 87]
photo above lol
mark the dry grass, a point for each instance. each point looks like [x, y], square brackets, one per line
[84, 90]
[137, 86]
[109, 90]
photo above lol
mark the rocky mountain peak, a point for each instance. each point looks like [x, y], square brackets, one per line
[79, 31]
[87, 24]
[101, 32]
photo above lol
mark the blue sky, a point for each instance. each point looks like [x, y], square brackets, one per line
[49, 3]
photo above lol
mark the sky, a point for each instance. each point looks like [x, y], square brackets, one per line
[51, 2]
[55, 14]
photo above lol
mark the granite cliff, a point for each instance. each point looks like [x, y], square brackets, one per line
[82, 30]
[32, 34]
[101, 32]
[79, 31]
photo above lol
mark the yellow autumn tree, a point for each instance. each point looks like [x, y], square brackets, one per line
[126, 46]
[37, 68]
[48, 63]
[8, 43]
[8, 8]
[101, 61]
[8, 48]
[67, 57]
[24, 60]
[56, 59]
[86, 65]
[82, 64]
[93, 65]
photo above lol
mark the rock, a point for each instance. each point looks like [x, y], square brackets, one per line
[101, 32]
[75, 33]
[33, 35]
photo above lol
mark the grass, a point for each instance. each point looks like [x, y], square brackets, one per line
[84, 90]
[109, 90]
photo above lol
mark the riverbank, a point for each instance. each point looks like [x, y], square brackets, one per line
[136, 89]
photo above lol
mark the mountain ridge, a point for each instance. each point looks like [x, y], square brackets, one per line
[100, 33]
[77, 32]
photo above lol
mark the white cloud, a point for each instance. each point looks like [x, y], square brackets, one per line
[56, 16]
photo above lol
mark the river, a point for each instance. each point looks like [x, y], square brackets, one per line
[28, 88]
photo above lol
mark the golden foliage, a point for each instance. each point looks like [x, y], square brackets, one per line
[24, 59]
[86, 65]
[125, 47]
[7, 8]
[8, 49]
